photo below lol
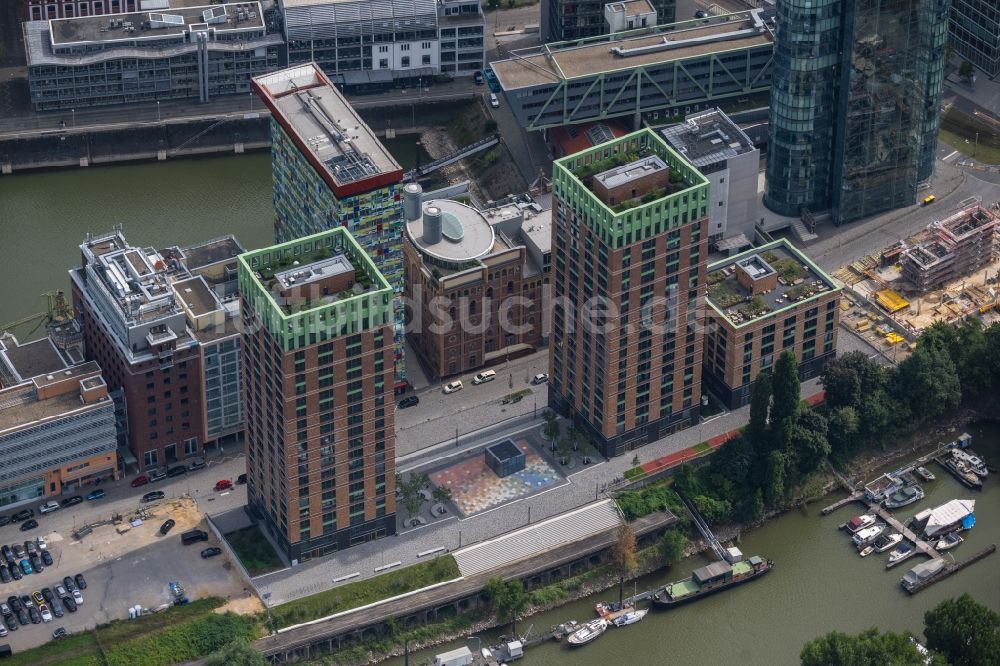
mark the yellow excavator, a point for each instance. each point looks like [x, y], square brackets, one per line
[58, 311]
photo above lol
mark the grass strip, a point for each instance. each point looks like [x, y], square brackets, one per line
[254, 551]
[362, 593]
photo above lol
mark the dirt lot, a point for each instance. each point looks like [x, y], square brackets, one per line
[125, 569]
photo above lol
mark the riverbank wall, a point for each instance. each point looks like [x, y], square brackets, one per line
[180, 137]
[462, 597]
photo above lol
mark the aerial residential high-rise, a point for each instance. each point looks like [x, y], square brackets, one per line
[975, 33]
[317, 388]
[630, 243]
[330, 170]
[162, 325]
[854, 105]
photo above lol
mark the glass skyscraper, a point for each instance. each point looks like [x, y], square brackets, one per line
[855, 104]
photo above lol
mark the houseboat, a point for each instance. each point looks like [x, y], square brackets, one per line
[710, 579]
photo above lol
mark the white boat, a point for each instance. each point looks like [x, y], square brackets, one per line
[868, 534]
[860, 522]
[867, 550]
[885, 542]
[903, 550]
[630, 618]
[925, 474]
[972, 461]
[920, 574]
[589, 632]
[949, 540]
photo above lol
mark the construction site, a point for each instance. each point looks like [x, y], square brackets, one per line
[946, 272]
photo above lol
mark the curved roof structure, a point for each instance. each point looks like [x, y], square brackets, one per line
[465, 234]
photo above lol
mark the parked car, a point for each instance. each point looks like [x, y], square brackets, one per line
[4, 520]
[196, 464]
[494, 101]
[7, 553]
[210, 552]
[167, 526]
[77, 597]
[57, 608]
[18, 551]
[11, 622]
[4, 573]
[540, 378]
[96, 494]
[69, 583]
[15, 572]
[29, 525]
[26, 600]
[157, 475]
[30, 548]
[36, 617]
[153, 496]
[478, 78]
[241, 479]
[701, 13]
[69, 604]
[23, 514]
[48, 507]
[59, 633]
[42, 543]
[3, 630]
[223, 484]
[60, 590]
[140, 480]
[451, 387]
[47, 558]
[44, 611]
[484, 376]
[37, 597]
[36, 563]
[47, 595]
[81, 582]
[409, 401]
[194, 536]
[26, 567]
[70, 501]
[177, 470]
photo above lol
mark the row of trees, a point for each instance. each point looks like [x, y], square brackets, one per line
[866, 405]
[960, 632]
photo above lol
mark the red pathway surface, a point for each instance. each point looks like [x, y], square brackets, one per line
[698, 450]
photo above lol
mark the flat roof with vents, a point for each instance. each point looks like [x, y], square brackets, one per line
[707, 138]
[152, 26]
[336, 141]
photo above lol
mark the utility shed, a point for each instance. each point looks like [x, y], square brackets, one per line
[713, 571]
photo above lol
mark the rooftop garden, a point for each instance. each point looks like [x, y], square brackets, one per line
[723, 293]
[755, 308]
[788, 269]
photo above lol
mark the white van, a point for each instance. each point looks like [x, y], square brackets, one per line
[484, 376]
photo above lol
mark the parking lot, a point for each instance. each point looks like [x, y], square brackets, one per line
[127, 565]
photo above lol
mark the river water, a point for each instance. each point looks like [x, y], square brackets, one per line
[818, 584]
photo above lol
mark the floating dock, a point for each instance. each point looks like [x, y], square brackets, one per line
[949, 569]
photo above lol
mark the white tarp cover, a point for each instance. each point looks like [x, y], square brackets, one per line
[948, 514]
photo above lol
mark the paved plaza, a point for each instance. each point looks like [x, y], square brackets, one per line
[475, 487]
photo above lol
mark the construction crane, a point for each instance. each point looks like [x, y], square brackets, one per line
[58, 311]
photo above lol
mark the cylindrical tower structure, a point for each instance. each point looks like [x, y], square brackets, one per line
[432, 225]
[412, 194]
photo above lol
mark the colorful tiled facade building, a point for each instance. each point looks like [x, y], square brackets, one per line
[330, 170]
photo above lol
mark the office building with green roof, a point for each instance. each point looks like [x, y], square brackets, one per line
[318, 394]
[630, 243]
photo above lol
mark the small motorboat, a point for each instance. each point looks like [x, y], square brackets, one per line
[630, 617]
[487, 653]
[867, 550]
[868, 534]
[903, 550]
[588, 632]
[858, 523]
[904, 496]
[949, 540]
[925, 474]
[887, 541]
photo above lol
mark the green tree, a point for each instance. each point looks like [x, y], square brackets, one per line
[760, 404]
[929, 383]
[713, 510]
[623, 553]
[842, 430]
[672, 545]
[841, 384]
[964, 631]
[867, 648]
[809, 443]
[734, 461]
[237, 653]
[441, 494]
[508, 598]
[774, 478]
[551, 430]
[785, 403]
[965, 70]
[876, 414]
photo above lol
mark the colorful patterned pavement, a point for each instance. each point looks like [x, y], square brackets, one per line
[476, 488]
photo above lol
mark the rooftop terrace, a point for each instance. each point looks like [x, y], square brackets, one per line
[707, 138]
[795, 279]
[155, 25]
[304, 101]
[661, 44]
[31, 359]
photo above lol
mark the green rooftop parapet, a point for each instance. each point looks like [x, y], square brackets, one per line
[640, 222]
[322, 319]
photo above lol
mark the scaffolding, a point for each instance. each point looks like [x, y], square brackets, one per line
[956, 246]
